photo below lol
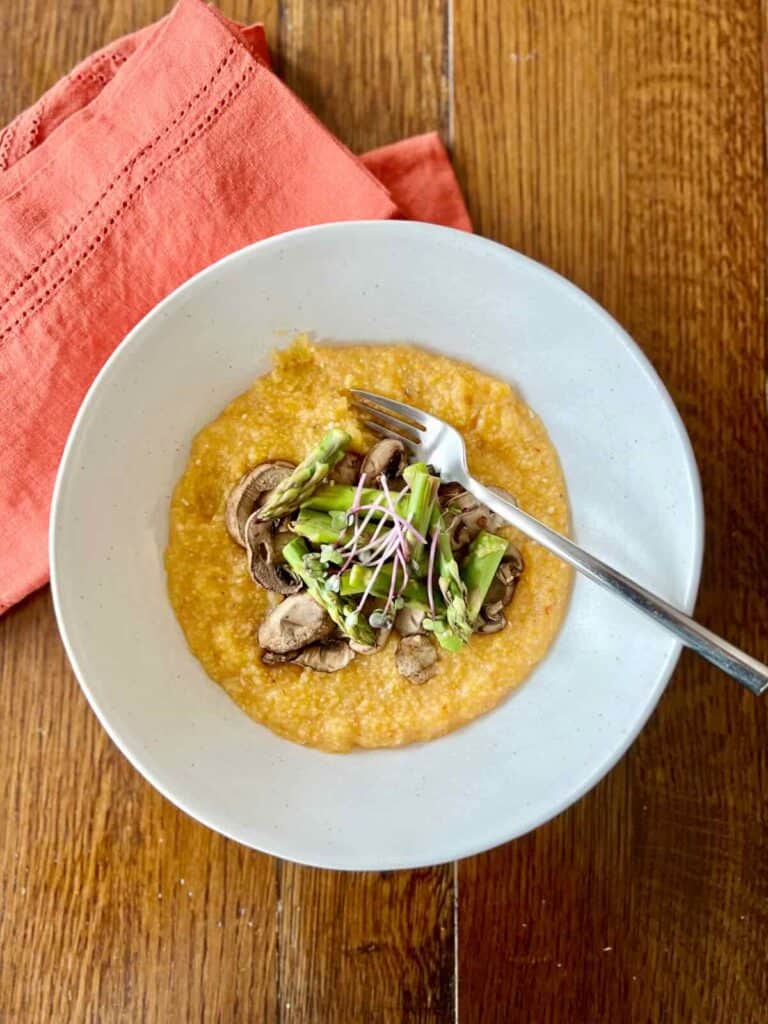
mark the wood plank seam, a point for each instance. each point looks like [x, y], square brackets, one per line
[447, 127]
[278, 941]
[762, 7]
[447, 75]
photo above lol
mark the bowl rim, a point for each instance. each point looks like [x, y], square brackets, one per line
[276, 847]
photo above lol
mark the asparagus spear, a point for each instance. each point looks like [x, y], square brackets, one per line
[340, 497]
[418, 510]
[444, 635]
[357, 579]
[304, 480]
[342, 612]
[479, 568]
[451, 585]
[317, 527]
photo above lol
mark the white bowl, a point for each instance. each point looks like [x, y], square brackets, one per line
[635, 498]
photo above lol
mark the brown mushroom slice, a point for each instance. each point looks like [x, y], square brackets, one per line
[387, 458]
[347, 469]
[449, 490]
[500, 592]
[325, 657]
[270, 658]
[504, 584]
[264, 543]
[464, 515]
[491, 618]
[250, 492]
[416, 659]
[295, 623]
[408, 621]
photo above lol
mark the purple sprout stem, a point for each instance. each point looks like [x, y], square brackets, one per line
[359, 490]
[405, 524]
[378, 566]
[374, 537]
[402, 553]
[353, 542]
[431, 569]
[391, 595]
[372, 551]
[396, 528]
[368, 588]
[406, 574]
[354, 551]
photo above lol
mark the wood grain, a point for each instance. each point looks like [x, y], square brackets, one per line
[623, 144]
[367, 947]
[371, 72]
[242, 937]
[370, 947]
[115, 905]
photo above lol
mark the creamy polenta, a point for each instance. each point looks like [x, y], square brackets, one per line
[368, 703]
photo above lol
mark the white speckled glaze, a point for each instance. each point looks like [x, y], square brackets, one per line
[635, 499]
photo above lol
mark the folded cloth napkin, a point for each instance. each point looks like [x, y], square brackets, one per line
[156, 156]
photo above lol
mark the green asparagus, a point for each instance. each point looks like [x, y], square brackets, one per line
[341, 527]
[479, 568]
[341, 497]
[342, 612]
[307, 476]
[418, 510]
[358, 577]
[443, 633]
[317, 527]
[450, 583]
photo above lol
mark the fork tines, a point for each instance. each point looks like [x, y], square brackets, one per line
[389, 418]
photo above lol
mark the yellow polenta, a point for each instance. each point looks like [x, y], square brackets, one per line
[283, 414]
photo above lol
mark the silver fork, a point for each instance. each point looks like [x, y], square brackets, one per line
[436, 442]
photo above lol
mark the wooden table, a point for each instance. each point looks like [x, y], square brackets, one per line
[621, 142]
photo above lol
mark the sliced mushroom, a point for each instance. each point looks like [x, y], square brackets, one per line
[505, 581]
[295, 623]
[347, 469]
[387, 458]
[326, 657]
[264, 542]
[491, 618]
[416, 658]
[446, 492]
[500, 593]
[464, 515]
[408, 621]
[250, 492]
[270, 658]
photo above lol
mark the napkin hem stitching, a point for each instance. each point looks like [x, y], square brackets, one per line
[6, 142]
[127, 167]
[216, 111]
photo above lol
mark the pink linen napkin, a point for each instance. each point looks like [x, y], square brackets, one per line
[153, 158]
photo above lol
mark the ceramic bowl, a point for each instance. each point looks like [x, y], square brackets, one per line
[635, 500]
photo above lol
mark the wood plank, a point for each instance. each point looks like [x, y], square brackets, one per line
[370, 947]
[622, 144]
[367, 947]
[115, 905]
[371, 72]
[97, 924]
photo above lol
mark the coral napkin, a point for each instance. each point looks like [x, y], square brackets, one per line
[153, 158]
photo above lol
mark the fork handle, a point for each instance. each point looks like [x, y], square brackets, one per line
[745, 669]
